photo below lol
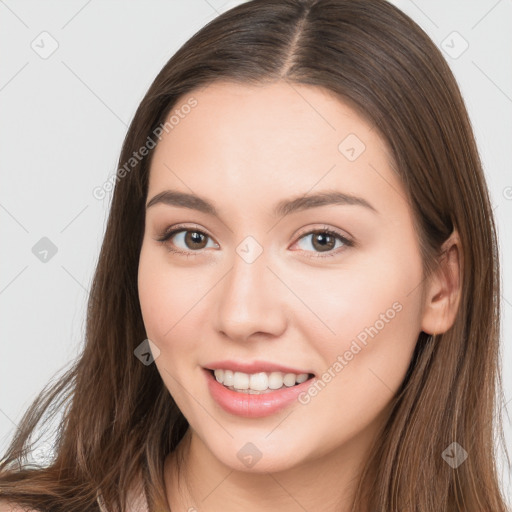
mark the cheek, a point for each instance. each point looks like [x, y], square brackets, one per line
[374, 294]
[373, 310]
[158, 300]
[169, 298]
[153, 297]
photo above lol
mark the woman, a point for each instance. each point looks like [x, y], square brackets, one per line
[279, 132]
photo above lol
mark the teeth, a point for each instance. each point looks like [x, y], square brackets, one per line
[258, 382]
[241, 380]
[302, 377]
[228, 377]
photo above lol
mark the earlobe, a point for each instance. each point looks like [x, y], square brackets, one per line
[444, 290]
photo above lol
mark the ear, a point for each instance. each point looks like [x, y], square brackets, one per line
[442, 295]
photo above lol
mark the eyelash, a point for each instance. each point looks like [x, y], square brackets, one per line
[168, 234]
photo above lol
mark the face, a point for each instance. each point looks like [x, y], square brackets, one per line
[327, 287]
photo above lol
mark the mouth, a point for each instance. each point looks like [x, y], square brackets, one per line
[258, 383]
[251, 395]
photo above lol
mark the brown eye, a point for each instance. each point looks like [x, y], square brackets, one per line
[195, 239]
[324, 241]
[184, 241]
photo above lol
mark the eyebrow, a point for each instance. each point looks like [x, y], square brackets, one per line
[282, 208]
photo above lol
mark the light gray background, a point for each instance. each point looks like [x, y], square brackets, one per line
[63, 119]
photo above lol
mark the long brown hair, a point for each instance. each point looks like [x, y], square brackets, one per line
[119, 421]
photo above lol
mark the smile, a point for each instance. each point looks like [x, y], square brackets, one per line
[257, 383]
[250, 403]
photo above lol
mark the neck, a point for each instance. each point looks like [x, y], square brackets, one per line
[202, 482]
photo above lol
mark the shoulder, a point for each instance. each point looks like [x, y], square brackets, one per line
[11, 507]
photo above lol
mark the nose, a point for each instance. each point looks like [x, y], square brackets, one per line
[251, 301]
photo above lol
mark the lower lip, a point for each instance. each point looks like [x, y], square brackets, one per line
[252, 405]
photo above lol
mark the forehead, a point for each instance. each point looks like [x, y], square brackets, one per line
[275, 140]
[305, 118]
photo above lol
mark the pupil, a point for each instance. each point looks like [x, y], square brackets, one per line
[194, 237]
[324, 240]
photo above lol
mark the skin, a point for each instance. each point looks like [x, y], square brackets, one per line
[244, 148]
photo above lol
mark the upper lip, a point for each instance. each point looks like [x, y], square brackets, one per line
[254, 367]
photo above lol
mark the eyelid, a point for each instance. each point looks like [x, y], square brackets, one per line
[347, 240]
[174, 229]
[326, 229]
[169, 232]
